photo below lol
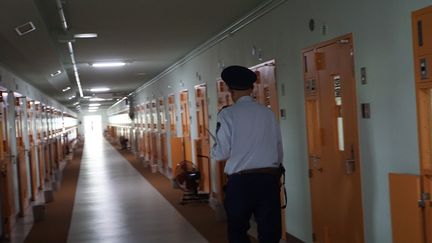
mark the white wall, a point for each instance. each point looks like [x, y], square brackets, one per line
[382, 40]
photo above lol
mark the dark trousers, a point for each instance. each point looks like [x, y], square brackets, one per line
[253, 194]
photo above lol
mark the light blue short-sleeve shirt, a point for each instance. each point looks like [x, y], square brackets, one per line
[247, 136]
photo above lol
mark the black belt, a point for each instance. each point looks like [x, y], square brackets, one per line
[268, 170]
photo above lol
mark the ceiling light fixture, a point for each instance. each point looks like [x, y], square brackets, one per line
[99, 89]
[76, 103]
[25, 28]
[66, 89]
[94, 104]
[56, 73]
[73, 96]
[108, 64]
[85, 35]
[96, 99]
[77, 78]
[92, 110]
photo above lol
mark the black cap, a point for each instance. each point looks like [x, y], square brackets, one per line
[238, 77]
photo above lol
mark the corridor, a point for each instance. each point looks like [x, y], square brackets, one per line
[114, 203]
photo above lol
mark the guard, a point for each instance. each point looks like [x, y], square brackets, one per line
[248, 137]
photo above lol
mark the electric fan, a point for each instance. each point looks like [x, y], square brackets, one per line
[187, 178]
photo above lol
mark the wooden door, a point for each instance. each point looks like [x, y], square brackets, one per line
[202, 143]
[334, 163]
[147, 132]
[21, 160]
[422, 40]
[224, 100]
[6, 176]
[185, 122]
[154, 132]
[176, 142]
[162, 135]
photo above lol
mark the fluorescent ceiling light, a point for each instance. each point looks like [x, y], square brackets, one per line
[56, 73]
[86, 35]
[95, 104]
[73, 96]
[96, 99]
[66, 89]
[76, 103]
[37, 102]
[92, 110]
[108, 64]
[16, 94]
[99, 89]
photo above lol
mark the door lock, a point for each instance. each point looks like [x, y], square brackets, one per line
[425, 197]
[350, 166]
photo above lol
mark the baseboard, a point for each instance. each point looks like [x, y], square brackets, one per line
[292, 239]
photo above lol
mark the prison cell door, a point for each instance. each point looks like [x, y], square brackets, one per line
[224, 100]
[147, 132]
[140, 132]
[45, 139]
[41, 155]
[32, 151]
[422, 40]
[154, 132]
[6, 174]
[177, 152]
[23, 186]
[162, 135]
[265, 92]
[202, 143]
[331, 119]
[185, 122]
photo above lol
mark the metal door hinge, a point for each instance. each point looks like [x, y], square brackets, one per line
[425, 197]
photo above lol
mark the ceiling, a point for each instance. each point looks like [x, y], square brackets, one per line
[147, 35]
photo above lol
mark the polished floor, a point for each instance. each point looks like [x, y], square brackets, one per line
[115, 204]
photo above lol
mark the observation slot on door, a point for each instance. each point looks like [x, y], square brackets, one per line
[338, 100]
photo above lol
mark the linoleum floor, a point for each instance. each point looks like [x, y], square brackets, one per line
[115, 204]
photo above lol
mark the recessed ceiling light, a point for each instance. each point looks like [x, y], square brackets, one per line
[86, 35]
[66, 89]
[108, 64]
[95, 104]
[25, 28]
[56, 73]
[99, 89]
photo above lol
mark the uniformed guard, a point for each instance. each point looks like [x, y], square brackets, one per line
[248, 137]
